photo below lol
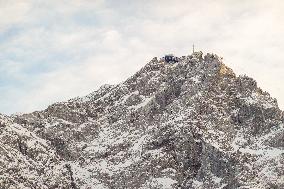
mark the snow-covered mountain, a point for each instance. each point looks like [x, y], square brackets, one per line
[190, 124]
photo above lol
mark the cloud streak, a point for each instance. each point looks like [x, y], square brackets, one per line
[52, 51]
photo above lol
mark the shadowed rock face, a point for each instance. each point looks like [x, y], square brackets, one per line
[192, 124]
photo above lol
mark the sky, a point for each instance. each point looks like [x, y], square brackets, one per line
[54, 50]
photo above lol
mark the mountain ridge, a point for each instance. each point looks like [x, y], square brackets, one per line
[190, 124]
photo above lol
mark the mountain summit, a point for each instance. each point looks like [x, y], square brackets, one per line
[186, 123]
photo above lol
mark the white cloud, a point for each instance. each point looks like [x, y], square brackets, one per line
[13, 12]
[85, 44]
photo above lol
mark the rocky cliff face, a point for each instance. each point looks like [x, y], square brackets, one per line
[192, 124]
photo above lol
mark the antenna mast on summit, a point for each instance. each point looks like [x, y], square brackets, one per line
[193, 48]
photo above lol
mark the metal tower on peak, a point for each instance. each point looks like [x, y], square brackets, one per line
[193, 48]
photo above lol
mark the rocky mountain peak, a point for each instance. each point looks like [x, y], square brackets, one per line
[190, 123]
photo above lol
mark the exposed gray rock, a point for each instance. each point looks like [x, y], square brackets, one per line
[192, 124]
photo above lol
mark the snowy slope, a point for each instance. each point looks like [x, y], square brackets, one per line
[193, 124]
